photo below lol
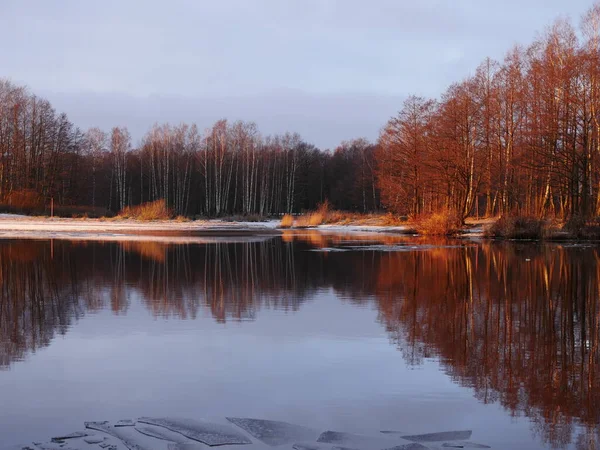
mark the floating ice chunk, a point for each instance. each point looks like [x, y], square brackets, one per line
[76, 435]
[108, 446]
[186, 446]
[442, 436]
[94, 439]
[464, 445]
[350, 440]
[54, 446]
[307, 446]
[126, 439]
[125, 423]
[273, 432]
[100, 426]
[161, 433]
[19, 447]
[411, 446]
[208, 433]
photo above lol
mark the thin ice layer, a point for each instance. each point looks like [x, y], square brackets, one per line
[161, 433]
[273, 432]
[442, 436]
[208, 433]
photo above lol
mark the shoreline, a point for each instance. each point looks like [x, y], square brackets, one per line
[217, 230]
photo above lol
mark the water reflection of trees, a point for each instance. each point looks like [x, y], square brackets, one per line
[518, 324]
[46, 285]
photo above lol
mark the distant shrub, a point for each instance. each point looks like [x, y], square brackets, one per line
[318, 217]
[444, 223]
[80, 211]
[287, 221]
[24, 201]
[580, 228]
[576, 226]
[31, 203]
[518, 227]
[244, 218]
[156, 210]
[311, 219]
[392, 220]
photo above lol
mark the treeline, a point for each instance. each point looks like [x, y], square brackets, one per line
[520, 136]
[229, 168]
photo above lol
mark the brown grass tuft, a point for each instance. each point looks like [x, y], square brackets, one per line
[287, 221]
[444, 223]
[518, 227]
[156, 210]
[315, 218]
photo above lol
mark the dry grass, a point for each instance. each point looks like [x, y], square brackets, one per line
[287, 221]
[311, 219]
[81, 212]
[156, 210]
[444, 223]
[518, 227]
[315, 218]
[325, 215]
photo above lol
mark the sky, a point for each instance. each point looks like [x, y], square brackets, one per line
[331, 70]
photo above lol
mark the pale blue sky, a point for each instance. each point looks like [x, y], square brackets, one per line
[329, 69]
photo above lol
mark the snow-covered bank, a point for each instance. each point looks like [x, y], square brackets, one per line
[17, 224]
[196, 231]
[401, 229]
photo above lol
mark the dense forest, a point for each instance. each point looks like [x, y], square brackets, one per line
[229, 168]
[519, 136]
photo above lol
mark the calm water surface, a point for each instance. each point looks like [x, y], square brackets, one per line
[389, 333]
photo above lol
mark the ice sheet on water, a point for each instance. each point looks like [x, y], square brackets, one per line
[161, 433]
[208, 433]
[125, 423]
[100, 426]
[56, 446]
[126, 438]
[273, 432]
[75, 435]
[462, 444]
[351, 440]
[308, 446]
[442, 436]
[186, 446]
[398, 248]
[411, 446]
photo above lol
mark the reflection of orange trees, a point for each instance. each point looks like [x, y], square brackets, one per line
[319, 239]
[519, 325]
[148, 249]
